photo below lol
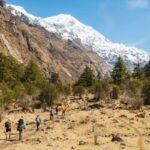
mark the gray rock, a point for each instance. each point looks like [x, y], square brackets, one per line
[116, 138]
[82, 142]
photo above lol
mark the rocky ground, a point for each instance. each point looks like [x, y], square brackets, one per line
[80, 129]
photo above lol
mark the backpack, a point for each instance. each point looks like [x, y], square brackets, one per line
[7, 124]
[20, 123]
[38, 120]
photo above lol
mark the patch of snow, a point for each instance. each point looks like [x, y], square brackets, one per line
[70, 28]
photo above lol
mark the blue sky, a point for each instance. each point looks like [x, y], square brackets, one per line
[121, 21]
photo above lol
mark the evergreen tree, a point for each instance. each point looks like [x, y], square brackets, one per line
[48, 94]
[99, 76]
[146, 93]
[11, 71]
[6, 95]
[147, 69]
[66, 91]
[120, 72]
[99, 92]
[101, 89]
[78, 90]
[138, 72]
[115, 92]
[87, 78]
[33, 75]
[133, 87]
[55, 78]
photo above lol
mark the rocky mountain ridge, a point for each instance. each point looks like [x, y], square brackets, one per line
[26, 41]
[69, 28]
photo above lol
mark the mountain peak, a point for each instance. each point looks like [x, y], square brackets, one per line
[70, 28]
[22, 13]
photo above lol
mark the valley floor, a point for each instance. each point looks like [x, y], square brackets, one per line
[76, 131]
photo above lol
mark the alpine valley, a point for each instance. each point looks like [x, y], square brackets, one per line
[61, 44]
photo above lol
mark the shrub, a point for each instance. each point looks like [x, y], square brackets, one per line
[48, 94]
[99, 92]
[66, 90]
[101, 89]
[120, 72]
[31, 89]
[138, 72]
[11, 71]
[6, 95]
[25, 102]
[136, 103]
[55, 79]
[146, 93]
[147, 70]
[78, 90]
[33, 75]
[87, 78]
[19, 92]
[133, 88]
[115, 92]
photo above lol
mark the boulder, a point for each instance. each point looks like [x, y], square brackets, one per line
[116, 138]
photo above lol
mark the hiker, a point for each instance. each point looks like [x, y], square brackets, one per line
[57, 110]
[63, 110]
[0, 116]
[8, 128]
[51, 113]
[21, 127]
[38, 121]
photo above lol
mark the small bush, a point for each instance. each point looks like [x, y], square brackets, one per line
[133, 88]
[136, 103]
[101, 89]
[78, 90]
[115, 92]
[99, 92]
[146, 93]
[48, 94]
[66, 90]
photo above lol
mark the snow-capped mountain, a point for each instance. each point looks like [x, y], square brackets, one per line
[71, 29]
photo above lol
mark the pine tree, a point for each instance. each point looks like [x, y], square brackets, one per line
[48, 94]
[99, 75]
[33, 74]
[11, 71]
[138, 72]
[146, 93]
[55, 78]
[78, 90]
[147, 69]
[87, 78]
[120, 72]
[101, 89]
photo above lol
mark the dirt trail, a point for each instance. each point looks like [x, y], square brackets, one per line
[140, 142]
[66, 133]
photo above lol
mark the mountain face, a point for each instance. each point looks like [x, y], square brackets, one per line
[25, 40]
[71, 29]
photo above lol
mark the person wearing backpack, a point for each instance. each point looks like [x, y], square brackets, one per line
[21, 127]
[8, 128]
[51, 113]
[57, 110]
[38, 121]
[63, 110]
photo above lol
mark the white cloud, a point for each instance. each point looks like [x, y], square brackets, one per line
[138, 3]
